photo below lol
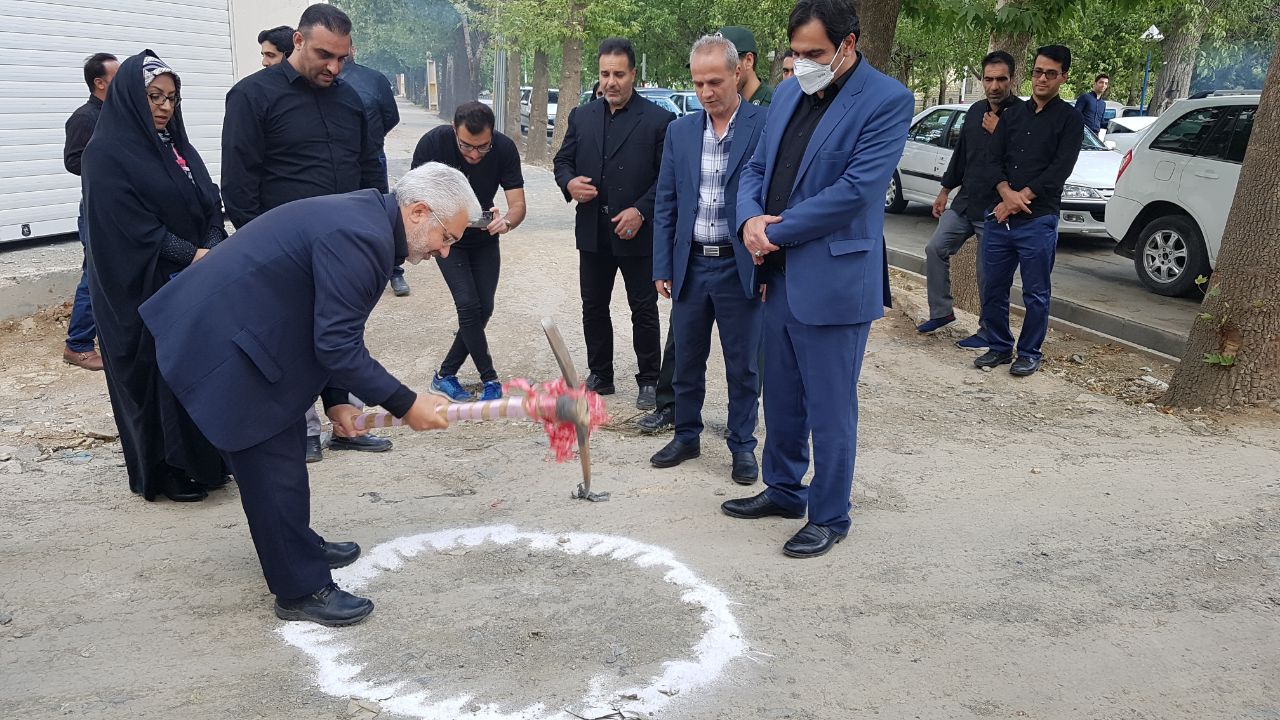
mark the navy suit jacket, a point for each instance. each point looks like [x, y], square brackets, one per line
[249, 336]
[833, 225]
[632, 158]
[676, 207]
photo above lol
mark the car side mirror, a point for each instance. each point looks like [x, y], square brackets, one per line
[1111, 144]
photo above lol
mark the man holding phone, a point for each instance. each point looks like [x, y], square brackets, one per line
[489, 160]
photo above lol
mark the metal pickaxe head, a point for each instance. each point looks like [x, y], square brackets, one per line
[571, 378]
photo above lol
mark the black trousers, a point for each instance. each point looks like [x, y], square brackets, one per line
[596, 273]
[274, 490]
[471, 272]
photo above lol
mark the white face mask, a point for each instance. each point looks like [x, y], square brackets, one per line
[814, 76]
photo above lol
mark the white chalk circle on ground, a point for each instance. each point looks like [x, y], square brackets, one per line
[721, 643]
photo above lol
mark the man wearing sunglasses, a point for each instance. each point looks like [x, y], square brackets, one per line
[1033, 152]
[490, 160]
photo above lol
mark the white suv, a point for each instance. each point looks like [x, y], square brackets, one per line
[1175, 189]
[932, 139]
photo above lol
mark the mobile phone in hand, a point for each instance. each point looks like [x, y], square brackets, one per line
[483, 221]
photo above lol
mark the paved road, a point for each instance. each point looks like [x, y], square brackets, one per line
[1092, 286]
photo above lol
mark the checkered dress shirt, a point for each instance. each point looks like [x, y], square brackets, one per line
[711, 227]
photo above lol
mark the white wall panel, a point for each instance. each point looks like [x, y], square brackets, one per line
[43, 45]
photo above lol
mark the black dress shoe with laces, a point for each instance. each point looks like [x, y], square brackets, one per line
[1024, 366]
[330, 605]
[992, 358]
[675, 453]
[812, 541]
[362, 443]
[745, 469]
[756, 507]
[314, 453]
[340, 554]
[657, 420]
[598, 385]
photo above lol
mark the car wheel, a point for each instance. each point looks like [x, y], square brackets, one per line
[1170, 255]
[893, 200]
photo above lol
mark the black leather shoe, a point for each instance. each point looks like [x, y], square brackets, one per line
[1024, 366]
[183, 489]
[745, 469]
[992, 358]
[399, 285]
[756, 507]
[812, 541]
[340, 554]
[330, 605]
[314, 453]
[598, 386]
[657, 420]
[363, 443]
[647, 398]
[675, 453]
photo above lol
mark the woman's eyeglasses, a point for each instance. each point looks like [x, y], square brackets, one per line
[159, 99]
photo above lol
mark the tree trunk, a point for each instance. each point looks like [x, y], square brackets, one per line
[879, 21]
[537, 149]
[445, 99]
[512, 100]
[1240, 317]
[1181, 46]
[1017, 44]
[570, 72]
[942, 89]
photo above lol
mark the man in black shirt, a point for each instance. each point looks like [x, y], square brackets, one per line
[295, 130]
[99, 71]
[490, 160]
[276, 45]
[969, 164]
[381, 115]
[1032, 154]
[609, 165]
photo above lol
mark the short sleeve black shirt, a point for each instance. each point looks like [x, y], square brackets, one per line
[499, 168]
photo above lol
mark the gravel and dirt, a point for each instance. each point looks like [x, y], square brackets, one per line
[1052, 547]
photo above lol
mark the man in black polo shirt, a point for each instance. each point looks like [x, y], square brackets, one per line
[490, 160]
[294, 131]
[970, 163]
[1032, 154]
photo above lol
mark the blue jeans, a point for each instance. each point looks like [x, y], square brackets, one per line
[82, 331]
[1029, 247]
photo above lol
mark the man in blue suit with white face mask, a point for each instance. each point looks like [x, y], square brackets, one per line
[810, 213]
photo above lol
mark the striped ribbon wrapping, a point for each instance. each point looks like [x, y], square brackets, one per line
[528, 407]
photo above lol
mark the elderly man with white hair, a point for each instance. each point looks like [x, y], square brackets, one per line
[274, 316]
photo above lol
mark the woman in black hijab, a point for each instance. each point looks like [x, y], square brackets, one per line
[150, 211]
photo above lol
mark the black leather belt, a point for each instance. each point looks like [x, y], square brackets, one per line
[713, 250]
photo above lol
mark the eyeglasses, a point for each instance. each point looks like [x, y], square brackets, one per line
[159, 99]
[482, 149]
[1042, 73]
[449, 238]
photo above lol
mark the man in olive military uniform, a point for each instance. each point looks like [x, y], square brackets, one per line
[749, 85]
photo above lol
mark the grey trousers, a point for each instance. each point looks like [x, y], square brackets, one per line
[313, 417]
[953, 231]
